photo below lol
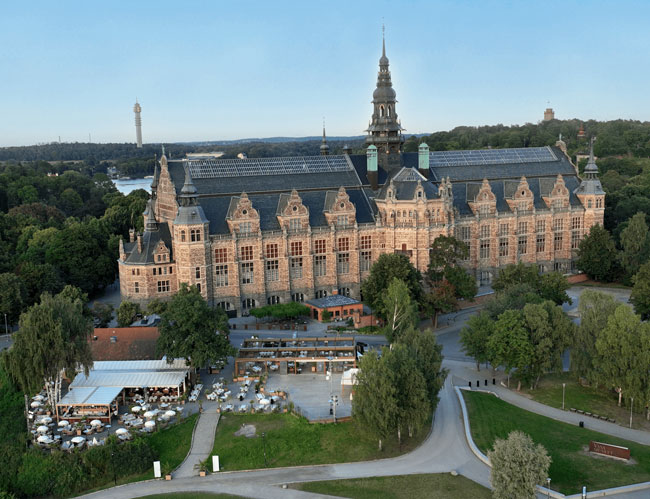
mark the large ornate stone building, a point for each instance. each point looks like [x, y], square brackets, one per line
[249, 232]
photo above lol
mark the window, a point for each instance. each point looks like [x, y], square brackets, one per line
[343, 263]
[319, 246]
[294, 224]
[522, 242]
[576, 223]
[195, 235]
[575, 239]
[503, 246]
[366, 242]
[522, 205]
[484, 210]
[344, 291]
[342, 220]
[132, 271]
[155, 270]
[273, 300]
[271, 272]
[589, 203]
[170, 270]
[558, 225]
[247, 275]
[464, 234]
[220, 255]
[163, 286]
[248, 303]
[246, 252]
[158, 258]
[197, 272]
[198, 286]
[163, 270]
[599, 202]
[540, 226]
[557, 203]
[366, 258]
[541, 243]
[295, 267]
[344, 243]
[484, 248]
[221, 276]
[557, 241]
[136, 287]
[522, 228]
[504, 230]
[299, 297]
[320, 265]
[245, 227]
[296, 248]
[321, 293]
[485, 231]
[182, 236]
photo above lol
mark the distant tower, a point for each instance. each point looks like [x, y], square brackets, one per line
[324, 148]
[549, 114]
[385, 130]
[138, 124]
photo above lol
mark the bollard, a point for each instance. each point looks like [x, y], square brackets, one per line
[470, 384]
[581, 424]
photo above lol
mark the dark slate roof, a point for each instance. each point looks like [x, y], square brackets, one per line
[149, 242]
[332, 301]
[405, 183]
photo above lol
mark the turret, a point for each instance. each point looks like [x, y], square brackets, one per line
[423, 159]
[371, 166]
[590, 191]
[324, 148]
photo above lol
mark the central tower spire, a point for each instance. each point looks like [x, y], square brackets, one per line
[385, 130]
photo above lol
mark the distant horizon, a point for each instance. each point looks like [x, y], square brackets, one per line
[267, 70]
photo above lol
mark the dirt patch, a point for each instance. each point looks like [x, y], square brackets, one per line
[595, 455]
[246, 430]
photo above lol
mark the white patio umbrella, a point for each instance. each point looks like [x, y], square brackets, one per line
[170, 414]
[35, 404]
[150, 424]
[121, 431]
[42, 429]
[45, 420]
[63, 423]
[77, 440]
[149, 414]
[38, 397]
[95, 422]
[136, 408]
[44, 439]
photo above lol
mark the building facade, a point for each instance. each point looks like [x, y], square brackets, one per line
[250, 232]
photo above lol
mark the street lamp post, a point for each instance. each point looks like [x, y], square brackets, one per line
[563, 389]
[113, 466]
[631, 405]
[548, 487]
[6, 327]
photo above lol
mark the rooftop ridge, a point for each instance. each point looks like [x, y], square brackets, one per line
[476, 157]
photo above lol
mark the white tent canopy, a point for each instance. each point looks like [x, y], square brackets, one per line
[349, 377]
[91, 395]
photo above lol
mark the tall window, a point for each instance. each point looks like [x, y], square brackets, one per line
[197, 272]
[295, 267]
[484, 210]
[220, 255]
[599, 202]
[271, 272]
[540, 226]
[575, 239]
[319, 246]
[320, 265]
[271, 250]
[365, 242]
[163, 286]
[522, 243]
[503, 230]
[576, 223]
[247, 274]
[344, 244]
[294, 224]
[296, 248]
[558, 225]
[464, 234]
[366, 258]
[221, 275]
[522, 228]
[343, 263]
[541, 243]
[503, 246]
[557, 241]
[246, 253]
[136, 287]
[484, 247]
[195, 235]
[182, 236]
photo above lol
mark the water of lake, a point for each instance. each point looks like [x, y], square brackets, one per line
[126, 186]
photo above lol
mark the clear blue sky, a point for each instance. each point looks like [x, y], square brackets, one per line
[225, 70]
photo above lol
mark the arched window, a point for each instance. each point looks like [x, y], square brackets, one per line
[182, 236]
[248, 303]
[225, 305]
[381, 111]
[389, 111]
[273, 300]
[299, 297]
[344, 291]
[321, 293]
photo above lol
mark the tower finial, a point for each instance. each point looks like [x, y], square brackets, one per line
[324, 148]
[591, 149]
[163, 149]
[383, 39]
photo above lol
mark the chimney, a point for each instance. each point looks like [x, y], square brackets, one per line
[131, 235]
[423, 159]
[139, 243]
[371, 166]
[335, 291]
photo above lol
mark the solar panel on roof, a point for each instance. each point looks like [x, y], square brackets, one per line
[216, 168]
[492, 156]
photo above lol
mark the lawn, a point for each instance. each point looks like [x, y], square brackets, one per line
[291, 440]
[572, 467]
[173, 444]
[589, 399]
[436, 486]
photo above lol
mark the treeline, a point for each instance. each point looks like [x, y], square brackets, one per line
[58, 230]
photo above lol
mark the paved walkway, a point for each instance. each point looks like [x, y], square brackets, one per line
[202, 443]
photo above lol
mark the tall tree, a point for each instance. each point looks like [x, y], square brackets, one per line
[551, 286]
[475, 335]
[190, 329]
[512, 298]
[640, 296]
[53, 339]
[445, 252]
[382, 272]
[374, 405]
[635, 245]
[401, 312]
[594, 308]
[597, 255]
[427, 352]
[126, 313]
[518, 466]
[12, 296]
[102, 313]
[509, 345]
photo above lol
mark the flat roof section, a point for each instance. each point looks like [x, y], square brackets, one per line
[130, 379]
[91, 395]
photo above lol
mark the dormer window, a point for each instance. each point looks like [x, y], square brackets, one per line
[195, 235]
[342, 220]
[390, 194]
[245, 227]
[182, 236]
[419, 194]
[294, 223]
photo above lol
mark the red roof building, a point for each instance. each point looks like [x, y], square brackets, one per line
[125, 343]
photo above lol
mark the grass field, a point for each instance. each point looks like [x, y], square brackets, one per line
[291, 440]
[572, 467]
[589, 399]
[434, 486]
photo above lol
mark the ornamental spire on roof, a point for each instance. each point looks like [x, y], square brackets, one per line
[324, 148]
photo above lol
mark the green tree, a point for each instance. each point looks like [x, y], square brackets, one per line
[597, 255]
[475, 335]
[594, 309]
[445, 252]
[401, 312]
[326, 315]
[509, 345]
[102, 313]
[12, 296]
[382, 272]
[427, 352]
[156, 306]
[551, 286]
[127, 313]
[518, 466]
[40, 278]
[513, 298]
[192, 330]
[640, 296]
[635, 245]
[53, 339]
[374, 405]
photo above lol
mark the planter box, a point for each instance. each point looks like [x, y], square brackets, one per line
[168, 477]
[202, 473]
